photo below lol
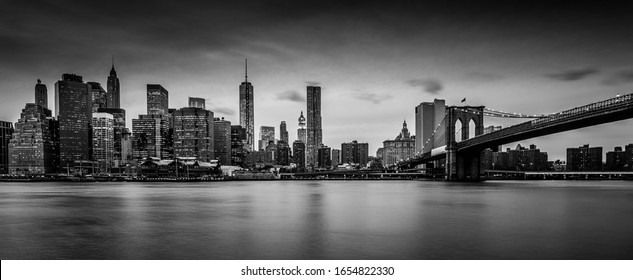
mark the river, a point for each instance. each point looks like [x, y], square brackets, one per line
[318, 220]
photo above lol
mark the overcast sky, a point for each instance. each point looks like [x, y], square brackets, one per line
[375, 61]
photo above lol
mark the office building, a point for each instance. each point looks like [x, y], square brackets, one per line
[113, 96]
[283, 132]
[103, 141]
[197, 102]
[73, 106]
[41, 94]
[157, 100]
[238, 142]
[98, 96]
[222, 140]
[336, 157]
[6, 132]
[402, 148]
[147, 137]
[616, 160]
[429, 128]
[119, 129]
[354, 152]
[301, 131]
[34, 147]
[193, 133]
[298, 154]
[324, 158]
[247, 110]
[314, 129]
[584, 158]
[266, 135]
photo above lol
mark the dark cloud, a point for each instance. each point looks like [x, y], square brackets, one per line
[313, 83]
[433, 86]
[620, 77]
[372, 97]
[572, 75]
[224, 110]
[291, 95]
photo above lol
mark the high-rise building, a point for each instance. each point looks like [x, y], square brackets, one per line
[324, 158]
[73, 106]
[41, 94]
[157, 100]
[98, 94]
[126, 148]
[616, 160]
[222, 140]
[147, 137]
[193, 133]
[628, 155]
[522, 159]
[113, 96]
[283, 153]
[336, 157]
[266, 135]
[238, 140]
[301, 131]
[314, 129]
[283, 132]
[354, 152]
[119, 128]
[35, 144]
[402, 148]
[6, 132]
[429, 128]
[197, 102]
[299, 154]
[247, 110]
[103, 141]
[584, 158]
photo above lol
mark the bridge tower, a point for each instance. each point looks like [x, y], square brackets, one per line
[461, 166]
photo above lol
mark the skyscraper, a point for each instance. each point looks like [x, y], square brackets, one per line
[103, 140]
[193, 133]
[283, 132]
[41, 94]
[247, 110]
[73, 105]
[314, 131]
[266, 134]
[148, 139]
[113, 96]
[196, 102]
[222, 140]
[119, 129]
[298, 154]
[238, 139]
[301, 131]
[157, 100]
[99, 100]
[324, 159]
[6, 132]
[429, 128]
[34, 146]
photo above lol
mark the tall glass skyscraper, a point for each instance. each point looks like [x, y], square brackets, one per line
[314, 130]
[157, 100]
[73, 106]
[247, 110]
[193, 133]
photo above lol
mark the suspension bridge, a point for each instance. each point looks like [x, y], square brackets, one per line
[451, 140]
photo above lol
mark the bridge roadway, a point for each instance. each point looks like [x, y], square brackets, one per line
[610, 110]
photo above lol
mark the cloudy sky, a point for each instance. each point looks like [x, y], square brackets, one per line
[375, 61]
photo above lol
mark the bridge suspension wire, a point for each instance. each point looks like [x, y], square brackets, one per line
[443, 122]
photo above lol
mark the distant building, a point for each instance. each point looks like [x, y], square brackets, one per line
[147, 137]
[628, 155]
[119, 129]
[299, 154]
[157, 100]
[266, 134]
[584, 158]
[222, 140]
[73, 105]
[616, 160]
[247, 110]
[283, 153]
[113, 96]
[34, 147]
[519, 159]
[238, 142]
[354, 152]
[283, 132]
[314, 128]
[428, 125]
[41, 94]
[193, 133]
[336, 157]
[301, 131]
[402, 148]
[6, 132]
[103, 141]
[98, 96]
[197, 102]
[324, 159]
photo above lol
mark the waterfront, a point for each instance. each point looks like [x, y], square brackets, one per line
[317, 220]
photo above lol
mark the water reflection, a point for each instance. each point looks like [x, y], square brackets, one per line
[317, 220]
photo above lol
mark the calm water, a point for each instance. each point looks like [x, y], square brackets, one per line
[317, 220]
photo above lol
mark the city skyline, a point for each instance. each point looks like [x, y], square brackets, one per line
[548, 58]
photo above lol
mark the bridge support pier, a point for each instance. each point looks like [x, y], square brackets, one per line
[463, 166]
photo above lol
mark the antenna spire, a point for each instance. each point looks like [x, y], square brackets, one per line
[246, 70]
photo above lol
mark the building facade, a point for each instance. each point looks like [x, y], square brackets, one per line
[41, 94]
[584, 158]
[266, 135]
[193, 133]
[222, 140]
[299, 154]
[616, 160]
[6, 132]
[73, 106]
[402, 148]
[238, 142]
[147, 137]
[247, 110]
[157, 100]
[113, 96]
[197, 102]
[99, 98]
[283, 132]
[336, 157]
[428, 125]
[324, 157]
[354, 152]
[34, 147]
[314, 128]
[301, 131]
[103, 141]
